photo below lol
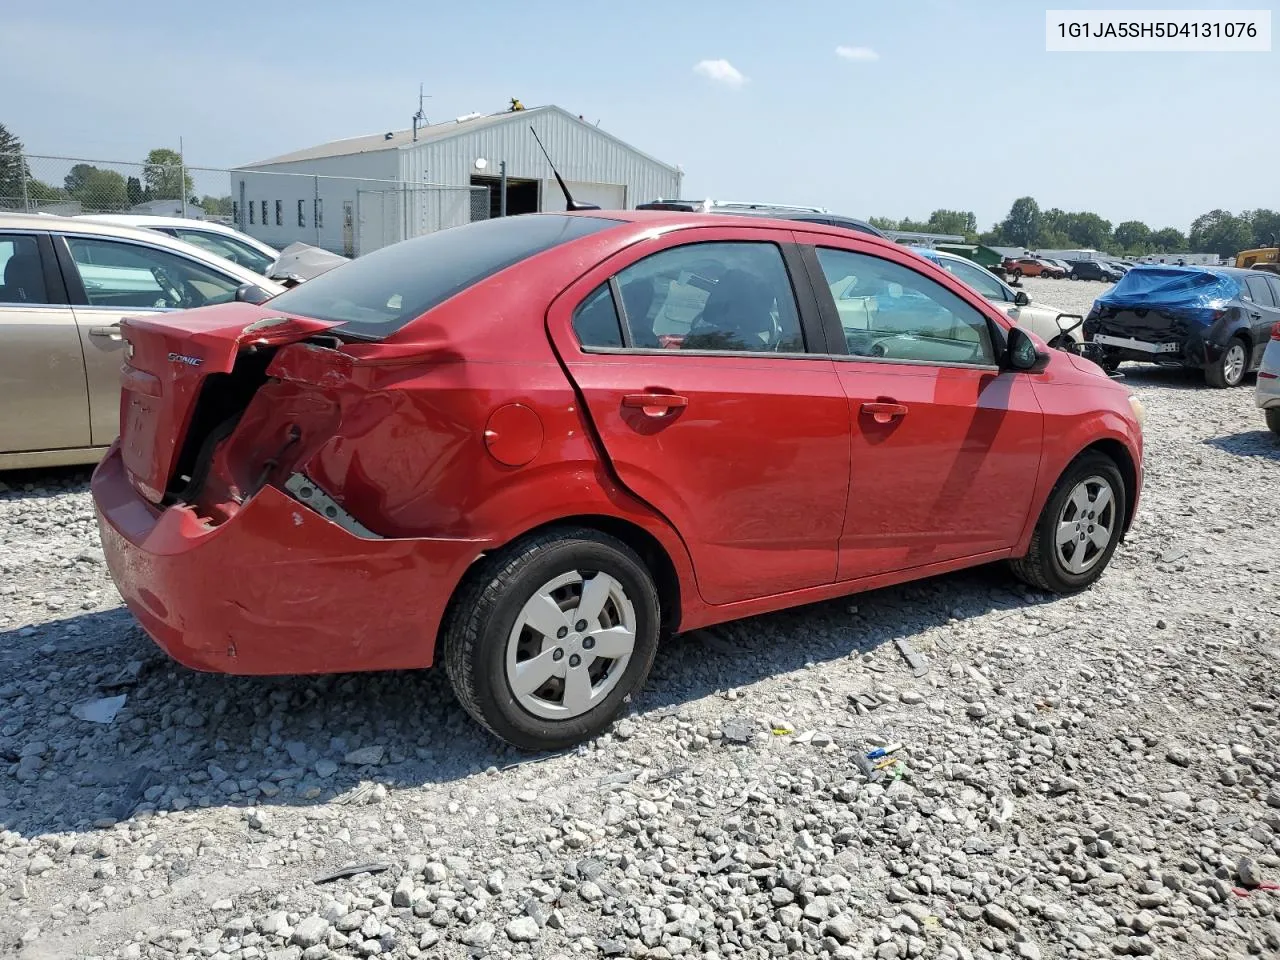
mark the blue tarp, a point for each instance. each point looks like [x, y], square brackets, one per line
[1187, 291]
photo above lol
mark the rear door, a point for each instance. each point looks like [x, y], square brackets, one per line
[109, 279]
[945, 445]
[1264, 312]
[701, 362]
[42, 380]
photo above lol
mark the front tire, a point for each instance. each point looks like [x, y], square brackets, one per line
[548, 640]
[1230, 368]
[1078, 528]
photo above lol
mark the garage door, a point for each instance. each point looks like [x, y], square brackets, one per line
[608, 196]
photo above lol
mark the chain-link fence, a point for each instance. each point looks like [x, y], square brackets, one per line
[347, 215]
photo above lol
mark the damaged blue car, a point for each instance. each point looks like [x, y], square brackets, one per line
[1217, 319]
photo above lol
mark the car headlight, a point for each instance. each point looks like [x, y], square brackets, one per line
[1139, 411]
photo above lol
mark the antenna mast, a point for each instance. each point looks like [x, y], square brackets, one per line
[419, 118]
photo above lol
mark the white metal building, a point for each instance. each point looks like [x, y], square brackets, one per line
[353, 196]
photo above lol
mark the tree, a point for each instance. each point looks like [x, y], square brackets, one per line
[1022, 225]
[963, 222]
[1266, 227]
[95, 189]
[1168, 240]
[883, 223]
[13, 168]
[1133, 236]
[215, 206]
[164, 176]
[1088, 230]
[1221, 233]
[133, 187]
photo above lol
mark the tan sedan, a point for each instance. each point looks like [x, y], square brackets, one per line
[67, 283]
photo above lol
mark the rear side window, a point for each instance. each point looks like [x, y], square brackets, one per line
[377, 294]
[1259, 291]
[20, 271]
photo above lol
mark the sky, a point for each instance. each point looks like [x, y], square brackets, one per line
[865, 108]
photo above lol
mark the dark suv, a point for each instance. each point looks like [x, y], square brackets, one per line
[1094, 270]
[777, 211]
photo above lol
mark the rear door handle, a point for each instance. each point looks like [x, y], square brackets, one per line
[655, 404]
[111, 332]
[885, 412]
[1255, 314]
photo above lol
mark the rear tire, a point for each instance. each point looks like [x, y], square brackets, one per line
[1273, 420]
[1230, 368]
[1017, 274]
[1078, 528]
[530, 600]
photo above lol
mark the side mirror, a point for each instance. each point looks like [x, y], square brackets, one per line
[1023, 354]
[1021, 299]
[251, 293]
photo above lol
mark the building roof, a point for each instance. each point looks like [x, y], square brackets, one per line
[403, 139]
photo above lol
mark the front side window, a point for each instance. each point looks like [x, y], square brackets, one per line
[976, 277]
[20, 270]
[229, 248]
[712, 296]
[890, 311]
[117, 274]
[377, 294]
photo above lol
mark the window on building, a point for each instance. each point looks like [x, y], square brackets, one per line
[302, 214]
[235, 212]
[265, 221]
[279, 213]
[250, 205]
[319, 213]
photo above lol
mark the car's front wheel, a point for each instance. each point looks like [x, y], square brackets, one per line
[549, 639]
[1078, 528]
[1230, 367]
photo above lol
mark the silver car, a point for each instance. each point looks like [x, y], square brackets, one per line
[1267, 393]
[66, 284]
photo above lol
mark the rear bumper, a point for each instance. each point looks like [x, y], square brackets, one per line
[277, 589]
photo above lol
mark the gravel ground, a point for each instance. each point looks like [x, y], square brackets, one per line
[1080, 777]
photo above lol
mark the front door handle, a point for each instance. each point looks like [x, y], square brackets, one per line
[655, 404]
[111, 332]
[885, 412]
[1255, 314]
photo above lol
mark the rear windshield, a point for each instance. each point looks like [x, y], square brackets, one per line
[379, 293]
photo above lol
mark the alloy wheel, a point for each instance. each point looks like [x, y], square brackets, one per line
[1233, 364]
[1085, 524]
[570, 644]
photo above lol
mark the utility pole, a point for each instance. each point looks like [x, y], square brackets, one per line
[502, 187]
[182, 177]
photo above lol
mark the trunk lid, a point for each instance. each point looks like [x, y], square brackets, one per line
[201, 365]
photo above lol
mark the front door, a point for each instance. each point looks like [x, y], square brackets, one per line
[945, 446]
[110, 279]
[42, 383]
[691, 359]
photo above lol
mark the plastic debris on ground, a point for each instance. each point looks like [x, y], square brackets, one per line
[100, 710]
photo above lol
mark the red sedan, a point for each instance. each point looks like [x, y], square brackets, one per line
[529, 447]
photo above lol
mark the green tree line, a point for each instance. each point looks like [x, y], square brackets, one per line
[96, 189]
[1218, 232]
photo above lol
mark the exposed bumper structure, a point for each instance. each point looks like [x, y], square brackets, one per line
[276, 589]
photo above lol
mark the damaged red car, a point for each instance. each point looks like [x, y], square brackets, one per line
[529, 447]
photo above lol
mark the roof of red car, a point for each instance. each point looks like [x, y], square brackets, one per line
[674, 219]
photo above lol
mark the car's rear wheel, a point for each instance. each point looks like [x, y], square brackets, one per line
[548, 640]
[1229, 370]
[1273, 420]
[1078, 528]
[1016, 273]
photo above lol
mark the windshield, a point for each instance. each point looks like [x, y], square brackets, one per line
[379, 293]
